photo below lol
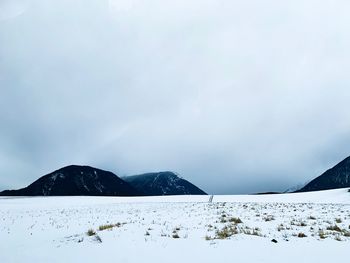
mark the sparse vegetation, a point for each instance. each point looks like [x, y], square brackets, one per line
[232, 224]
[235, 220]
[302, 220]
[346, 233]
[321, 234]
[226, 232]
[269, 218]
[301, 235]
[334, 228]
[230, 230]
[91, 232]
[338, 238]
[208, 238]
[253, 232]
[280, 227]
[223, 220]
[106, 227]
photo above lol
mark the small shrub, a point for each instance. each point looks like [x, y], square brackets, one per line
[334, 228]
[338, 220]
[312, 218]
[208, 238]
[223, 220]
[280, 227]
[176, 235]
[338, 238]
[269, 218]
[236, 220]
[226, 232]
[147, 233]
[223, 233]
[322, 235]
[301, 235]
[252, 232]
[91, 232]
[303, 224]
[105, 227]
[346, 233]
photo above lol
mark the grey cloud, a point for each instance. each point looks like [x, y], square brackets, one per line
[236, 96]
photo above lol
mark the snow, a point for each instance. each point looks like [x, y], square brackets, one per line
[53, 229]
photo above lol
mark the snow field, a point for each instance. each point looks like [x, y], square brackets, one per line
[187, 228]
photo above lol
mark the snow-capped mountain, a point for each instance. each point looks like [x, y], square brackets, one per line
[76, 180]
[336, 177]
[163, 183]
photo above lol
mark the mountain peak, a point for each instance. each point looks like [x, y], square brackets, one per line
[163, 183]
[336, 177]
[86, 180]
[77, 180]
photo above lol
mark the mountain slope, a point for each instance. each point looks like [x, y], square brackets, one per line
[296, 188]
[76, 180]
[163, 183]
[336, 177]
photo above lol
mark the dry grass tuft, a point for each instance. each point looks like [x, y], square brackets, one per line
[106, 227]
[334, 228]
[235, 220]
[91, 232]
[301, 235]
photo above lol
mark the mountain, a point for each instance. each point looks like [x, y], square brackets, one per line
[163, 183]
[296, 188]
[76, 180]
[336, 177]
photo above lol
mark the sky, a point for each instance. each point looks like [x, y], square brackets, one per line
[235, 96]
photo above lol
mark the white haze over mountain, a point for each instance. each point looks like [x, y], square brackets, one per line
[236, 96]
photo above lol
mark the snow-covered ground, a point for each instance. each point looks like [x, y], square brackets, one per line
[308, 227]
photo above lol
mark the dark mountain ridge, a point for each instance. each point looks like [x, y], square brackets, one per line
[336, 177]
[76, 180]
[163, 183]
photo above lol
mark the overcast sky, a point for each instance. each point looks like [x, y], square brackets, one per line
[235, 96]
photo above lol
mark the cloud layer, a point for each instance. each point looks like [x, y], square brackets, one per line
[236, 96]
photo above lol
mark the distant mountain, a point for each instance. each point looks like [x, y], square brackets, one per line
[268, 193]
[296, 187]
[163, 183]
[76, 180]
[336, 177]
